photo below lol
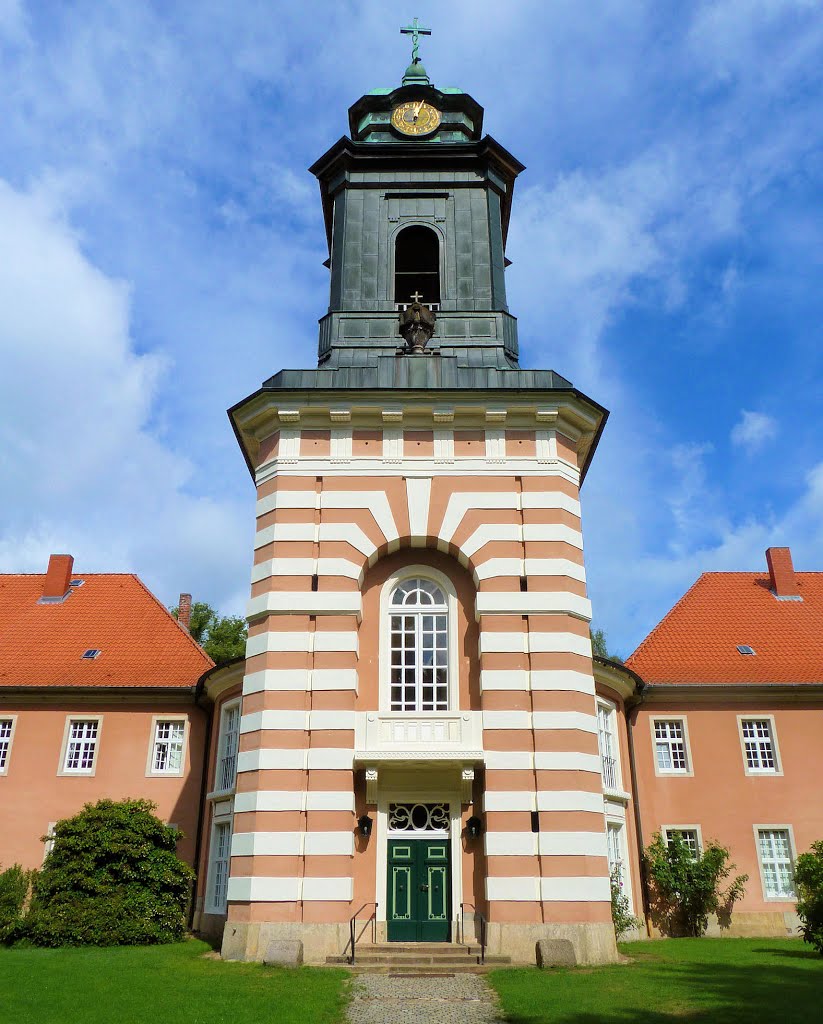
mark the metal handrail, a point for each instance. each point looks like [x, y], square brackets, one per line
[352, 938]
[477, 914]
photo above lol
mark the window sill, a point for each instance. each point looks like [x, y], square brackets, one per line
[221, 794]
[617, 794]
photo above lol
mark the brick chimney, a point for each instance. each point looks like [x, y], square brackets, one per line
[58, 577]
[184, 611]
[781, 572]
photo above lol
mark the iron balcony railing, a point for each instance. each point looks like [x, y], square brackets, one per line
[403, 306]
[609, 765]
[227, 773]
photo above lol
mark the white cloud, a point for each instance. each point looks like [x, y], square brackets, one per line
[753, 430]
[81, 469]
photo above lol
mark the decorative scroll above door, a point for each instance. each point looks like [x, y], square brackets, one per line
[422, 818]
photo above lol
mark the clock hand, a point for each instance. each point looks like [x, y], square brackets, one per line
[418, 108]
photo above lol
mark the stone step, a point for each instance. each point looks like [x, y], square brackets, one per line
[403, 958]
[421, 970]
[419, 957]
[426, 971]
[418, 947]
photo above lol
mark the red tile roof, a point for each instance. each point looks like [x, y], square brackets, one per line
[697, 641]
[140, 642]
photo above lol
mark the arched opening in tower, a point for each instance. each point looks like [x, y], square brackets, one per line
[417, 266]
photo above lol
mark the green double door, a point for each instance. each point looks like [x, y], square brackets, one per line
[419, 887]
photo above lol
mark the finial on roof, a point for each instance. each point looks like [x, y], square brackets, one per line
[415, 73]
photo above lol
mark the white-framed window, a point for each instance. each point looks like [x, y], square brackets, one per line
[618, 857]
[607, 741]
[226, 769]
[690, 834]
[775, 854]
[48, 845]
[760, 756]
[614, 844]
[81, 742]
[671, 746]
[6, 738]
[168, 745]
[219, 862]
[419, 648]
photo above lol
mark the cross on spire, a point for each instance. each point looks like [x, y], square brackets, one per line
[414, 30]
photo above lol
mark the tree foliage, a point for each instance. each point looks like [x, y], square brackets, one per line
[14, 887]
[685, 889]
[808, 878]
[112, 877]
[600, 646]
[222, 637]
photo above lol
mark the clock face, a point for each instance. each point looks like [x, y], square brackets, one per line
[415, 118]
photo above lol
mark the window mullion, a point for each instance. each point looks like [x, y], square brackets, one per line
[418, 662]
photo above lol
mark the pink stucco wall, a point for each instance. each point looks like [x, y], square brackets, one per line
[33, 793]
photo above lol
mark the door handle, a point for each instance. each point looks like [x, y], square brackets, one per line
[424, 888]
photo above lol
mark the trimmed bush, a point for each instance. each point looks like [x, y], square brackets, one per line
[685, 889]
[14, 887]
[112, 878]
[808, 877]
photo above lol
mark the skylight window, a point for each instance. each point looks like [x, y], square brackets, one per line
[92, 652]
[77, 583]
[745, 649]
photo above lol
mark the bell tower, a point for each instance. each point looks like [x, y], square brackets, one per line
[418, 667]
[416, 201]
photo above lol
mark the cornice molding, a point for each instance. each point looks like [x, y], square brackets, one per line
[735, 693]
[616, 677]
[222, 678]
[33, 696]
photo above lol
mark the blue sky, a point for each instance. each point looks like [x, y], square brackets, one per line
[162, 250]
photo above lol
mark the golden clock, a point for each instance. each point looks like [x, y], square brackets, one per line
[415, 118]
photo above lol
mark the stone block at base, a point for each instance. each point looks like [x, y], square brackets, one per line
[244, 940]
[555, 953]
[592, 943]
[284, 953]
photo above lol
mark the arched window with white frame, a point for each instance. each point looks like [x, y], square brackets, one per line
[419, 646]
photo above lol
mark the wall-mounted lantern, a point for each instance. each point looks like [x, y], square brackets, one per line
[364, 824]
[474, 826]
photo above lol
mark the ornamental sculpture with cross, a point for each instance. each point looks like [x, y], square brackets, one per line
[414, 30]
[416, 325]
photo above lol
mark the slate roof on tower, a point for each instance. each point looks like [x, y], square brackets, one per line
[42, 641]
[780, 618]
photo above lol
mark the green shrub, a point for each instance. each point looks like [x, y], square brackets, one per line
[14, 887]
[808, 877]
[685, 889]
[112, 878]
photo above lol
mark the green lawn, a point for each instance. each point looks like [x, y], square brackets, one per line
[725, 981]
[147, 984]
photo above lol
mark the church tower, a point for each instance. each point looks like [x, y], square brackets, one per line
[419, 742]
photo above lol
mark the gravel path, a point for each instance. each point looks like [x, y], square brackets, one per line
[461, 999]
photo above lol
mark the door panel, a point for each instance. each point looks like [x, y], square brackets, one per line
[402, 892]
[418, 891]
